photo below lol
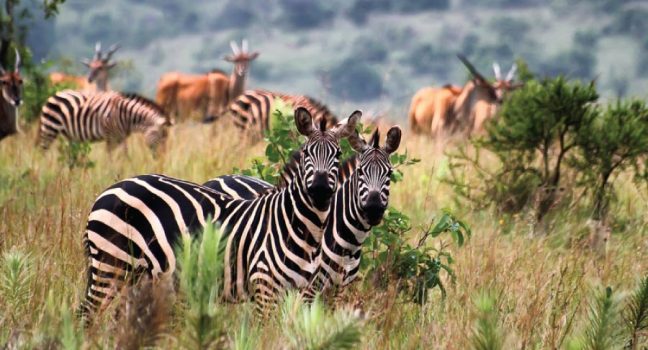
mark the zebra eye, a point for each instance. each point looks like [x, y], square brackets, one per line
[338, 154]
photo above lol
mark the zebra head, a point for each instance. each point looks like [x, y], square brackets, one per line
[373, 173]
[320, 155]
[12, 84]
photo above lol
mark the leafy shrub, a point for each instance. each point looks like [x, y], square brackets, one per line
[601, 330]
[75, 154]
[487, 333]
[616, 138]
[534, 133]
[635, 314]
[315, 327]
[355, 80]
[305, 14]
[200, 268]
[16, 277]
[388, 257]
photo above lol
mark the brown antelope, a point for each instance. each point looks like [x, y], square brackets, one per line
[11, 98]
[208, 94]
[97, 78]
[453, 109]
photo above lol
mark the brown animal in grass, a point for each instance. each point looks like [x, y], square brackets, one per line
[11, 98]
[451, 109]
[97, 78]
[208, 95]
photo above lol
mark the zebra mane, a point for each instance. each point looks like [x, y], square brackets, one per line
[144, 100]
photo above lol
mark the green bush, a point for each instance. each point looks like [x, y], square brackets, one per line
[534, 133]
[615, 139]
[75, 154]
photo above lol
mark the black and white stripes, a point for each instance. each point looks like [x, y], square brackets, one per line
[358, 204]
[135, 223]
[253, 109]
[95, 116]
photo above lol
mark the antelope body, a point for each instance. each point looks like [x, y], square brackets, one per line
[208, 94]
[453, 109]
[11, 98]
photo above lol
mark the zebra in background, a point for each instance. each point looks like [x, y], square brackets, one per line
[358, 204]
[95, 116]
[134, 225]
[253, 109]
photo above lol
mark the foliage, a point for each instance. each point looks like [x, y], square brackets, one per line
[355, 80]
[75, 154]
[361, 9]
[510, 29]
[16, 277]
[601, 330]
[635, 314]
[631, 21]
[200, 267]
[487, 334]
[59, 328]
[314, 326]
[534, 132]
[615, 139]
[38, 89]
[368, 49]
[388, 257]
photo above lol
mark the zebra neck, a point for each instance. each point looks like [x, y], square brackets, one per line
[309, 221]
[349, 224]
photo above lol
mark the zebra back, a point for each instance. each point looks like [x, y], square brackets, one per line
[253, 109]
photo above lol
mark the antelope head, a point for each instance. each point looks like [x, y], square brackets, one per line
[241, 57]
[100, 63]
[497, 90]
[12, 83]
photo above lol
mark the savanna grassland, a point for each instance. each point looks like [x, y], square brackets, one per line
[532, 292]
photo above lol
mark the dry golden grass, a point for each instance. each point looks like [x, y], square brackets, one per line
[542, 284]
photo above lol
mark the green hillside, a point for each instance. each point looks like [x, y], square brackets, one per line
[374, 54]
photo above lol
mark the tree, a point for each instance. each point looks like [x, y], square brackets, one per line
[616, 139]
[11, 33]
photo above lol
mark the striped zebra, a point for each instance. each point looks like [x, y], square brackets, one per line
[358, 204]
[134, 225]
[253, 109]
[95, 116]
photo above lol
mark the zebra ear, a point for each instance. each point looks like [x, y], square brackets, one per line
[347, 127]
[374, 141]
[393, 139]
[304, 121]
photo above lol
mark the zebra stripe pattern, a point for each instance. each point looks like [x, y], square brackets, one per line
[253, 109]
[134, 224]
[358, 205]
[95, 116]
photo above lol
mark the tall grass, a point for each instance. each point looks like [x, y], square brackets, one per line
[542, 285]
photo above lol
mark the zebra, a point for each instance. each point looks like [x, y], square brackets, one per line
[135, 223]
[95, 116]
[358, 204]
[11, 84]
[253, 109]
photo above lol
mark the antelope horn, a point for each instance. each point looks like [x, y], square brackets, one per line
[17, 65]
[112, 50]
[244, 45]
[471, 68]
[97, 54]
[497, 71]
[234, 47]
[511, 73]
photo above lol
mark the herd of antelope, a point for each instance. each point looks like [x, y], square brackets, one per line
[436, 111]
